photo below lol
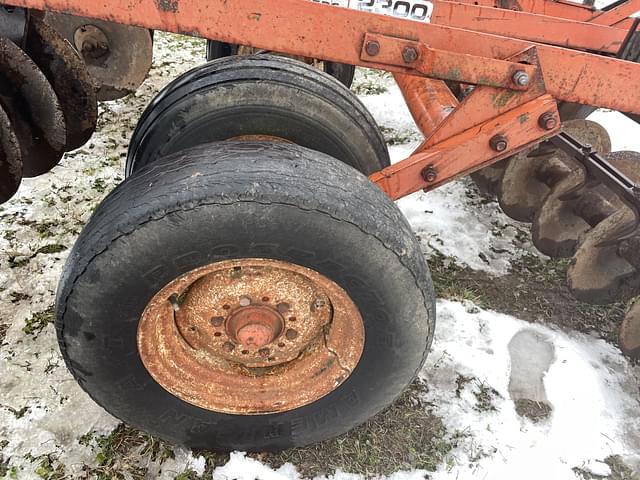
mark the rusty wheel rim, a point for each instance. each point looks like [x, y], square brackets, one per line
[251, 336]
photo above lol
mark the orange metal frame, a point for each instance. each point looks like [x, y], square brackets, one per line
[510, 54]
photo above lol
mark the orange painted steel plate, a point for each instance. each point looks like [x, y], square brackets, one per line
[300, 27]
[468, 151]
[251, 336]
[552, 8]
[529, 26]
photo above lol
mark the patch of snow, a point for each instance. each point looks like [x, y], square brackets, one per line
[455, 221]
[624, 132]
[240, 467]
[590, 386]
[183, 461]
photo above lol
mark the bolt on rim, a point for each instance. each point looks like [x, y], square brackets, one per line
[251, 336]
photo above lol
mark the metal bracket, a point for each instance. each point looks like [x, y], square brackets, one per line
[446, 65]
[598, 168]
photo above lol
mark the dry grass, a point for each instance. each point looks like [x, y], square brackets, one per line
[404, 436]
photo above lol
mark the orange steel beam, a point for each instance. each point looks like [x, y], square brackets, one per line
[552, 8]
[617, 14]
[469, 150]
[488, 125]
[310, 29]
[617, 17]
[442, 63]
[529, 26]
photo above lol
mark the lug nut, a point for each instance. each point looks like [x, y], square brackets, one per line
[498, 143]
[216, 321]
[372, 48]
[264, 352]
[409, 54]
[547, 121]
[429, 174]
[245, 301]
[319, 303]
[282, 307]
[291, 334]
[228, 347]
[521, 78]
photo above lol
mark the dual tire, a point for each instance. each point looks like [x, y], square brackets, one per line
[224, 201]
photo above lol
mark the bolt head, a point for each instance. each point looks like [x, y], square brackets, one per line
[521, 78]
[372, 48]
[429, 174]
[409, 54]
[498, 143]
[548, 121]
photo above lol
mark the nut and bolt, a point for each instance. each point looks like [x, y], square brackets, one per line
[429, 174]
[521, 78]
[283, 307]
[409, 54]
[245, 301]
[498, 143]
[372, 48]
[548, 121]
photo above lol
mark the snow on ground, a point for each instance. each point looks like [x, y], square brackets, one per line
[479, 372]
[591, 390]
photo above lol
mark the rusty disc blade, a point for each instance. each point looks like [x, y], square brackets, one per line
[488, 179]
[531, 174]
[118, 56]
[10, 159]
[69, 78]
[33, 108]
[559, 224]
[599, 274]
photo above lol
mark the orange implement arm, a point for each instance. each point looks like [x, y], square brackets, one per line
[529, 26]
[552, 8]
[617, 16]
[332, 33]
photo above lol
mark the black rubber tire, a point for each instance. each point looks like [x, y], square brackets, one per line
[342, 72]
[259, 95]
[236, 200]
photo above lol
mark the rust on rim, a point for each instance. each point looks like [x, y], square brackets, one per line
[251, 336]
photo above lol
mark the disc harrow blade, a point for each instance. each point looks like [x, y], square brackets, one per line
[602, 272]
[68, 75]
[560, 223]
[118, 56]
[488, 179]
[531, 174]
[34, 109]
[10, 159]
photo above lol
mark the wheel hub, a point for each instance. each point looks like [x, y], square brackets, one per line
[255, 326]
[283, 332]
[92, 42]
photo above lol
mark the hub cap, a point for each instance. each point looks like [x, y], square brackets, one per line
[251, 336]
